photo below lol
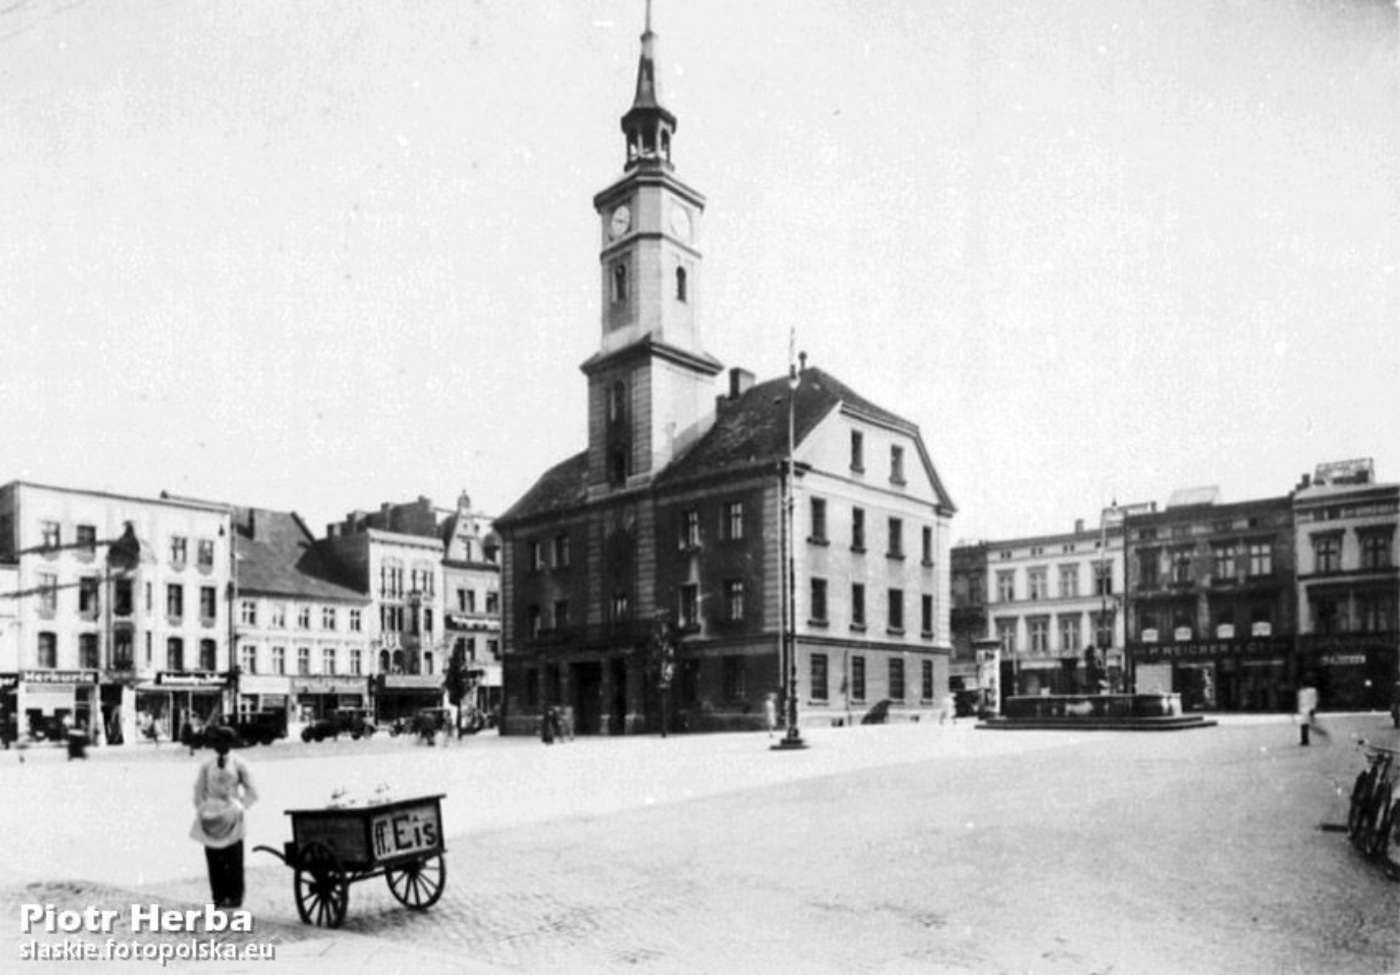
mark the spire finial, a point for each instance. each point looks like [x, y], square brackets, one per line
[648, 23]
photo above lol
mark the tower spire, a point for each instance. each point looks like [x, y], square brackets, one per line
[647, 125]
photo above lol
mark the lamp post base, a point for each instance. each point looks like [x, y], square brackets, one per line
[792, 741]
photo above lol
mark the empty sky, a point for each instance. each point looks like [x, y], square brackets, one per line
[317, 256]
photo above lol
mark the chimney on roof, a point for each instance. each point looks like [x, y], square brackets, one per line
[801, 363]
[333, 530]
[740, 382]
[1079, 526]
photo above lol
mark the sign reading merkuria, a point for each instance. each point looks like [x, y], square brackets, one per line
[58, 676]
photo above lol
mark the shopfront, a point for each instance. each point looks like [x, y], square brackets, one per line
[1252, 674]
[1354, 672]
[319, 697]
[265, 692]
[177, 699]
[9, 708]
[402, 695]
[49, 702]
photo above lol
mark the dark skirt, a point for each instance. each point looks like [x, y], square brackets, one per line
[226, 874]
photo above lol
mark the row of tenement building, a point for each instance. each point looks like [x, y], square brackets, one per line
[1232, 605]
[130, 617]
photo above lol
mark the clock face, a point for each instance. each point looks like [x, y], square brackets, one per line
[621, 220]
[680, 222]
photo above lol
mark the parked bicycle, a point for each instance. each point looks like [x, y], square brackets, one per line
[1373, 817]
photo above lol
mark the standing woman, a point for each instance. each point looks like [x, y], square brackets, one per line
[222, 791]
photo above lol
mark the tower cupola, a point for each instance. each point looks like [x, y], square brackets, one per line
[647, 125]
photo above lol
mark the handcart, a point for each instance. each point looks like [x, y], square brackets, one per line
[332, 848]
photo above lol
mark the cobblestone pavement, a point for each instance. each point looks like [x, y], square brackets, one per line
[932, 850]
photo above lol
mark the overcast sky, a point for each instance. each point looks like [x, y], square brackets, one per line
[321, 255]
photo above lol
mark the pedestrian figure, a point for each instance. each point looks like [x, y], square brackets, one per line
[223, 790]
[547, 721]
[770, 712]
[1307, 712]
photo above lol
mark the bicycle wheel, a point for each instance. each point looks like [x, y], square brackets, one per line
[1356, 812]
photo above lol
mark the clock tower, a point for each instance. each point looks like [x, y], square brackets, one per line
[651, 384]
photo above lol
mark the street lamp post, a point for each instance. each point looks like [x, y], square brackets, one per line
[792, 739]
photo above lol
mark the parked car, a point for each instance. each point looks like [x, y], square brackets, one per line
[256, 728]
[356, 722]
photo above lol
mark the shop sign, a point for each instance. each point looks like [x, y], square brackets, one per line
[1213, 648]
[58, 676]
[329, 685]
[1225, 631]
[1344, 659]
[432, 682]
[1149, 636]
[1262, 628]
[1182, 634]
[193, 678]
[9, 682]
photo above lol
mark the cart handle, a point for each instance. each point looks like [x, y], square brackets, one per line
[268, 849]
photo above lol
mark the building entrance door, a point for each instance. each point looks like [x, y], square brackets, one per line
[618, 723]
[588, 698]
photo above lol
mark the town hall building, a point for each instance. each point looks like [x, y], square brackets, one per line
[642, 577]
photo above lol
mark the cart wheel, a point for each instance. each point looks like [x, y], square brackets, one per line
[418, 884]
[1356, 812]
[321, 888]
[1378, 823]
[1390, 846]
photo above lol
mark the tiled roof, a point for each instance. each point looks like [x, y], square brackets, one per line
[562, 486]
[277, 554]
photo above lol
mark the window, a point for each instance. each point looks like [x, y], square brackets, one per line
[857, 451]
[357, 662]
[1069, 633]
[122, 598]
[858, 678]
[49, 536]
[88, 597]
[688, 606]
[534, 620]
[248, 658]
[1225, 561]
[248, 612]
[48, 593]
[819, 677]
[328, 620]
[390, 579]
[175, 600]
[328, 660]
[927, 533]
[926, 614]
[279, 660]
[122, 654]
[1006, 634]
[1069, 580]
[1375, 551]
[204, 553]
[1037, 583]
[174, 654]
[1327, 553]
[48, 650]
[303, 617]
[858, 605]
[356, 621]
[617, 402]
[87, 541]
[818, 533]
[619, 283]
[561, 551]
[1375, 613]
[896, 616]
[896, 679]
[1328, 617]
[690, 529]
[857, 529]
[817, 611]
[208, 655]
[734, 599]
[896, 464]
[620, 606]
[734, 678]
[1103, 629]
[537, 556]
[1261, 559]
[927, 689]
[1181, 566]
[208, 603]
[561, 614]
[734, 520]
[1006, 585]
[179, 550]
[493, 602]
[1148, 577]
[1038, 629]
[680, 284]
[896, 550]
[303, 661]
[617, 466]
[87, 651]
